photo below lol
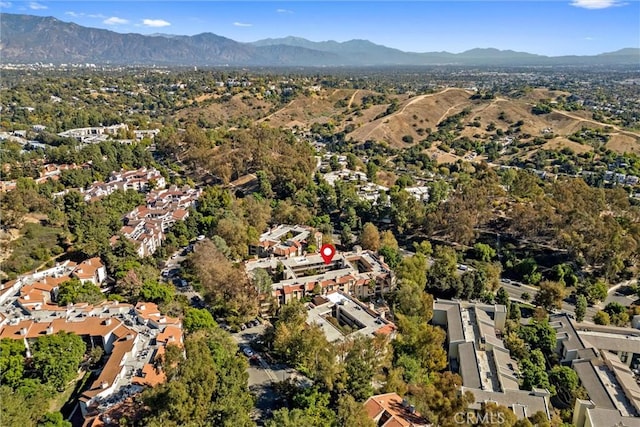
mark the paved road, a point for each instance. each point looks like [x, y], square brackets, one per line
[262, 375]
[516, 289]
[174, 262]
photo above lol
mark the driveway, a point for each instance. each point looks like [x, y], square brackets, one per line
[262, 375]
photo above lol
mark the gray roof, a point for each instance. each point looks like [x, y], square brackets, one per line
[610, 418]
[507, 368]
[587, 354]
[455, 331]
[469, 365]
[626, 381]
[565, 330]
[524, 402]
[613, 342]
[586, 327]
[592, 382]
[368, 321]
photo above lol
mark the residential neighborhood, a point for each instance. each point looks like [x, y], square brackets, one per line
[282, 232]
[133, 338]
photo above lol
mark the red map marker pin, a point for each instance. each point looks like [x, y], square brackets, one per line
[327, 252]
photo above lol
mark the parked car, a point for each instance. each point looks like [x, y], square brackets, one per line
[248, 352]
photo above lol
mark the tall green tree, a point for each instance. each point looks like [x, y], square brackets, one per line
[198, 318]
[581, 307]
[351, 413]
[56, 358]
[12, 360]
[550, 295]
[370, 237]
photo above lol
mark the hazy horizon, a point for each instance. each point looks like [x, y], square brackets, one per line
[552, 28]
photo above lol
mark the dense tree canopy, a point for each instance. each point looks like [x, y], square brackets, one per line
[208, 387]
[225, 285]
[56, 358]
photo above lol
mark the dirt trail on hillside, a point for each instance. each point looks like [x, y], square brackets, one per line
[352, 98]
[276, 112]
[418, 98]
[582, 119]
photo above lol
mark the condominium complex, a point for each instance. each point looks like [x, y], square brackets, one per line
[603, 358]
[477, 353]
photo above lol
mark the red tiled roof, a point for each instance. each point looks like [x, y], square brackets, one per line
[345, 279]
[87, 269]
[151, 376]
[326, 283]
[92, 326]
[180, 214]
[149, 311]
[385, 330]
[390, 406]
[170, 335]
[112, 367]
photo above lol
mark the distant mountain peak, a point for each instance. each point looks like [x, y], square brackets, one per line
[29, 39]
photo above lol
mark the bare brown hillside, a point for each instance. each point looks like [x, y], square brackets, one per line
[240, 105]
[420, 112]
[412, 117]
[307, 109]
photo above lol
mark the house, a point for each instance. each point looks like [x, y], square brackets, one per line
[391, 410]
[138, 180]
[286, 241]
[148, 314]
[146, 225]
[91, 270]
[103, 325]
[93, 134]
[36, 295]
[103, 332]
[114, 370]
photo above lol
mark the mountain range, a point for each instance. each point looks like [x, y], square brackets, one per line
[31, 39]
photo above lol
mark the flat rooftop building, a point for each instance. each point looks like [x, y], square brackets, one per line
[361, 274]
[340, 316]
[477, 353]
[601, 357]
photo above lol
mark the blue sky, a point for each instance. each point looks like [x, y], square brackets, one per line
[556, 27]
